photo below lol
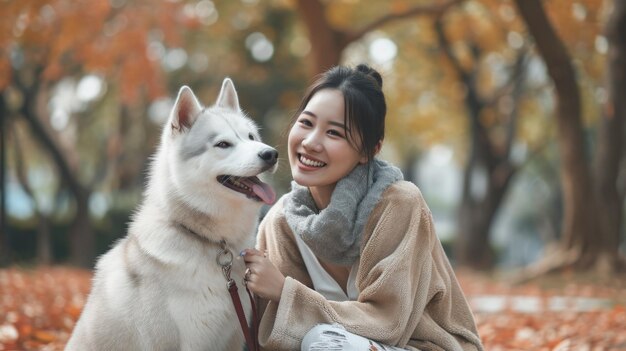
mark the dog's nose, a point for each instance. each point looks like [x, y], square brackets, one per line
[270, 156]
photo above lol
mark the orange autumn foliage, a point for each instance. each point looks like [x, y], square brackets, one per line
[61, 38]
[40, 307]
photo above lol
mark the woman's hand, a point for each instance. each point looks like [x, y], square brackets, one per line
[263, 278]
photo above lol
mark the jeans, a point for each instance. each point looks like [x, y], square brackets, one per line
[326, 337]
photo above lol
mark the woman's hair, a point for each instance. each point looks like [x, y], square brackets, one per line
[364, 102]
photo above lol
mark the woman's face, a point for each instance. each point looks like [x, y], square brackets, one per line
[318, 149]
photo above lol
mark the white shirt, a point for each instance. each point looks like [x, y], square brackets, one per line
[323, 282]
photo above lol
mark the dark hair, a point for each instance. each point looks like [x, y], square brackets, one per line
[364, 102]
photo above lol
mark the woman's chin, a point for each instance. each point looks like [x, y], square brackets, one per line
[305, 179]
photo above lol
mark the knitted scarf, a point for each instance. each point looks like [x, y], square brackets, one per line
[334, 233]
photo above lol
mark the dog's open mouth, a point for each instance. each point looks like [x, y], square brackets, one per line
[252, 187]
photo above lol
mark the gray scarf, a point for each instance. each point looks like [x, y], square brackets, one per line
[334, 234]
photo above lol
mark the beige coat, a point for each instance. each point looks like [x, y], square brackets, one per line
[408, 293]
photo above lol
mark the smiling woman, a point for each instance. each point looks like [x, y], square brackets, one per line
[318, 146]
[349, 259]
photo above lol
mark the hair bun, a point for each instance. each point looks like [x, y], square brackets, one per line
[369, 71]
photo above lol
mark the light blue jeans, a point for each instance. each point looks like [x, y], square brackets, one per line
[326, 337]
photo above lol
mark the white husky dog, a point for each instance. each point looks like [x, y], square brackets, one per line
[160, 287]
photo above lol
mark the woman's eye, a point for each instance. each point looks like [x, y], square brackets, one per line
[335, 133]
[305, 122]
[223, 145]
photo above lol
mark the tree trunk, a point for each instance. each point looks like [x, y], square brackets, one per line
[410, 164]
[326, 42]
[82, 236]
[610, 147]
[472, 247]
[477, 213]
[4, 235]
[488, 171]
[485, 182]
[44, 244]
[82, 250]
[44, 241]
[579, 245]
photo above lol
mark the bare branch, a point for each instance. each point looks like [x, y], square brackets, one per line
[420, 10]
[517, 83]
[447, 50]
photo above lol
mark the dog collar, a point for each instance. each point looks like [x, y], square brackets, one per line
[222, 243]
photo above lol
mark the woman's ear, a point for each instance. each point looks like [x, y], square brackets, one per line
[379, 145]
[363, 160]
[377, 148]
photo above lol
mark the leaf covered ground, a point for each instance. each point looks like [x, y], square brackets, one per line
[38, 309]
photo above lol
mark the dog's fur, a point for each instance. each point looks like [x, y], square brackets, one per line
[160, 287]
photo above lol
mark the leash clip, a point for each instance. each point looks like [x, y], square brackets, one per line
[225, 260]
[225, 256]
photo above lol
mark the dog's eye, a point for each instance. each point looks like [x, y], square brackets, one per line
[223, 145]
[250, 136]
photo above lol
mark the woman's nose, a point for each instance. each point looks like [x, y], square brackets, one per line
[311, 142]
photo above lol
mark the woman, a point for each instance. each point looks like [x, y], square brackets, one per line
[349, 260]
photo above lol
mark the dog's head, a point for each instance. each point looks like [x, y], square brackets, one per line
[216, 151]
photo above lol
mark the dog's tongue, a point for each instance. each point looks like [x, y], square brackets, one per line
[263, 191]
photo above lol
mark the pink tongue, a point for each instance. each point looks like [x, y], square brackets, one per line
[265, 192]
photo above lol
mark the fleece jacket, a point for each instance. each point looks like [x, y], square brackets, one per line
[408, 293]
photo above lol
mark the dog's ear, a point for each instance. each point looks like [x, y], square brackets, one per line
[186, 110]
[228, 96]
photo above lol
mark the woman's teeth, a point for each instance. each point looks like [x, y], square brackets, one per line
[311, 163]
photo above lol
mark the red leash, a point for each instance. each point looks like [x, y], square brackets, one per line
[255, 321]
[250, 334]
[225, 260]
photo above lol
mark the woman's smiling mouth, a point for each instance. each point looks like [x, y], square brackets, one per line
[310, 162]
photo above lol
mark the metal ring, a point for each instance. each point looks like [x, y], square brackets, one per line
[225, 258]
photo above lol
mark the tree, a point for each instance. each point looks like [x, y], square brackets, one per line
[4, 242]
[589, 238]
[328, 42]
[44, 241]
[129, 46]
[608, 186]
[45, 42]
[490, 151]
[490, 160]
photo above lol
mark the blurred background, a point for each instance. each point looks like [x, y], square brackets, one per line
[509, 115]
